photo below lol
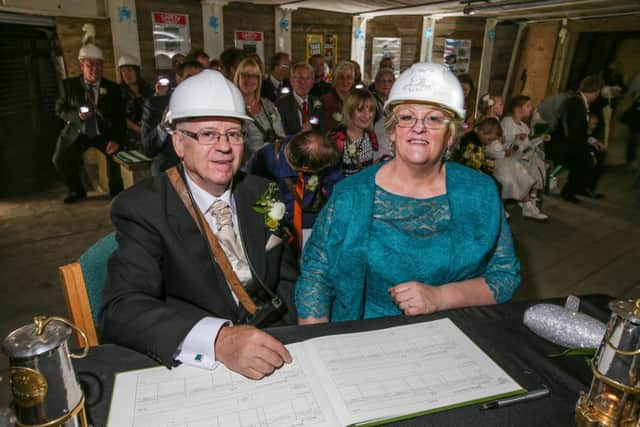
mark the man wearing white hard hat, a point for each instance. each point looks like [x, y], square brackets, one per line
[182, 295]
[91, 107]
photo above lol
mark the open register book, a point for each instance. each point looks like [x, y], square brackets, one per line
[365, 378]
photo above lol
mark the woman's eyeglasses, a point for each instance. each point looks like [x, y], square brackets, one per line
[431, 121]
[245, 75]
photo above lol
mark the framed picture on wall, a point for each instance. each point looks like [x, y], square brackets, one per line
[250, 42]
[457, 55]
[171, 35]
[314, 45]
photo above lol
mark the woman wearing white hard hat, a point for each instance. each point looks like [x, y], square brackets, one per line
[415, 234]
[134, 92]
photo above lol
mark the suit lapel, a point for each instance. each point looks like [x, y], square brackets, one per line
[252, 228]
[195, 243]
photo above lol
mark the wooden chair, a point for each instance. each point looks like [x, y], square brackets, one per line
[83, 282]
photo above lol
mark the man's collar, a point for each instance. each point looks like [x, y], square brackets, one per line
[300, 99]
[204, 199]
[275, 81]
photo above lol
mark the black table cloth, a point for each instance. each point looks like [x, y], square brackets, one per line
[498, 330]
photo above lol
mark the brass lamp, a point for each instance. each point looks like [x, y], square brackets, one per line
[614, 396]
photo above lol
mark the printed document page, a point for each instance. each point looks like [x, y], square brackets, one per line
[405, 370]
[192, 397]
[336, 380]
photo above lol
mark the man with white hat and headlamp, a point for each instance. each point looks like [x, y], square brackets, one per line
[92, 108]
[182, 295]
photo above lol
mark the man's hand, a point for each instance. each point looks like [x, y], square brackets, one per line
[250, 351]
[112, 147]
[161, 90]
[599, 145]
[416, 298]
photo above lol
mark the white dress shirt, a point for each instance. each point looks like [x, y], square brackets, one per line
[197, 348]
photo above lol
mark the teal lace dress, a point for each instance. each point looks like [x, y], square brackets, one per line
[368, 240]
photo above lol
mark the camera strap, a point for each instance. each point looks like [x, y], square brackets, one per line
[219, 256]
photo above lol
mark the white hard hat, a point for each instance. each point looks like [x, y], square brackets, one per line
[429, 83]
[90, 51]
[128, 60]
[206, 94]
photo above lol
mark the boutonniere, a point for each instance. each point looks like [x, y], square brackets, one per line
[352, 150]
[312, 183]
[102, 91]
[317, 104]
[269, 206]
[337, 116]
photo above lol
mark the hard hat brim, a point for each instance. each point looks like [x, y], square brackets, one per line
[198, 114]
[454, 114]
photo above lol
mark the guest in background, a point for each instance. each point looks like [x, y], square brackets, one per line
[134, 93]
[91, 107]
[469, 104]
[491, 106]
[357, 76]
[385, 62]
[156, 141]
[382, 84]
[320, 72]
[230, 59]
[355, 138]
[199, 55]
[305, 167]
[413, 235]
[216, 64]
[176, 60]
[266, 126]
[299, 110]
[343, 78]
[277, 83]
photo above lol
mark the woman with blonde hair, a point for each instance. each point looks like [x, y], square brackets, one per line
[355, 137]
[416, 234]
[343, 81]
[267, 124]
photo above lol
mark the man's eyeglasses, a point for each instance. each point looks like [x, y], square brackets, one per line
[210, 137]
[431, 121]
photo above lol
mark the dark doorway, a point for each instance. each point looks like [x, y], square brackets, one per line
[28, 125]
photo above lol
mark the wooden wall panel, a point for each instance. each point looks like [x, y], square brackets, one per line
[502, 49]
[310, 21]
[409, 28]
[145, 29]
[70, 34]
[534, 65]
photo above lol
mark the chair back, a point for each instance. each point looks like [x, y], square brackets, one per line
[83, 282]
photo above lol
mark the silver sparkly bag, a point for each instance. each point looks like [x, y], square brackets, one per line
[565, 326]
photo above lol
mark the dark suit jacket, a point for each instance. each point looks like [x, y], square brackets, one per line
[288, 108]
[321, 88]
[161, 279]
[268, 90]
[111, 115]
[158, 147]
[570, 137]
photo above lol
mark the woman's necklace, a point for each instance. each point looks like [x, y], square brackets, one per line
[351, 147]
[253, 107]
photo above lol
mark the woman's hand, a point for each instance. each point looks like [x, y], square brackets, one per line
[417, 298]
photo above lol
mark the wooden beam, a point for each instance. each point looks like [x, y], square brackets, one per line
[426, 41]
[515, 53]
[485, 61]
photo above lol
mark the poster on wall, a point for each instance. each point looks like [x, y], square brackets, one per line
[250, 42]
[331, 49]
[171, 35]
[457, 55]
[386, 47]
[315, 45]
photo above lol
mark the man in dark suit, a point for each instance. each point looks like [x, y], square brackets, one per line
[164, 295]
[319, 65]
[92, 108]
[572, 137]
[277, 84]
[299, 110]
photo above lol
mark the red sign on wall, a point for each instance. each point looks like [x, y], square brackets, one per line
[255, 36]
[169, 18]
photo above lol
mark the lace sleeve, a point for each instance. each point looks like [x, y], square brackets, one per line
[314, 293]
[503, 271]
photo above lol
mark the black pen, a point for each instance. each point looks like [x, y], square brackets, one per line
[532, 395]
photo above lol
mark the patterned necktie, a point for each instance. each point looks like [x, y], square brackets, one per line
[229, 241]
[91, 124]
